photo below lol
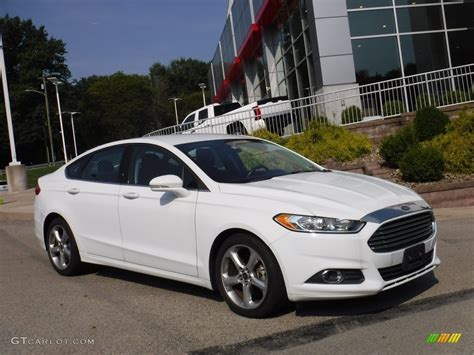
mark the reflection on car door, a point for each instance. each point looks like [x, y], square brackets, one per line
[158, 229]
[92, 194]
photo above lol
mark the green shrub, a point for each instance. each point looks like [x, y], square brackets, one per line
[457, 144]
[322, 142]
[464, 124]
[269, 136]
[422, 164]
[426, 100]
[394, 147]
[454, 97]
[351, 114]
[319, 119]
[430, 122]
[394, 107]
[1, 201]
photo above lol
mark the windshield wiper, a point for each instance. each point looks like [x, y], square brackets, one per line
[302, 171]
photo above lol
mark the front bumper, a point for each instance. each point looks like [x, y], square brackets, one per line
[302, 255]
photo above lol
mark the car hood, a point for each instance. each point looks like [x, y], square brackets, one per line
[330, 194]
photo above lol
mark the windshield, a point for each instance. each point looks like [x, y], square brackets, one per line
[245, 160]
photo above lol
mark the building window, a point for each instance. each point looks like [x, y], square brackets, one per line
[461, 45]
[242, 20]
[257, 4]
[303, 79]
[376, 22]
[459, 15]
[289, 60]
[376, 59]
[424, 52]
[292, 84]
[300, 51]
[227, 43]
[217, 67]
[423, 18]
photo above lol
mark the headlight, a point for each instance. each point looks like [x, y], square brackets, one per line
[315, 224]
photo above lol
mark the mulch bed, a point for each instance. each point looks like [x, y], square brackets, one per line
[395, 174]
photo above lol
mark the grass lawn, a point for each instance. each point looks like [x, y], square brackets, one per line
[34, 174]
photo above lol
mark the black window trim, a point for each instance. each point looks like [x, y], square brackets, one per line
[131, 147]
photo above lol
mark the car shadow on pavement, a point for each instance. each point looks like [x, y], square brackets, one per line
[347, 307]
[370, 304]
[155, 281]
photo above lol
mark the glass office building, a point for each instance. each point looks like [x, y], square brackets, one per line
[298, 48]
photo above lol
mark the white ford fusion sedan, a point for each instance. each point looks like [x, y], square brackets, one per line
[247, 217]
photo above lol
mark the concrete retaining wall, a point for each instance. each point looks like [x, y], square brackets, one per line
[456, 194]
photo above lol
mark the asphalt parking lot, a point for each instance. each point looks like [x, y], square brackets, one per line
[115, 311]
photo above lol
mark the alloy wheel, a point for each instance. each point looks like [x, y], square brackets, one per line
[59, 246]
[244, 276]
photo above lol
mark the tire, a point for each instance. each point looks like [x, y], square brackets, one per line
[253, 291]
[237, 129]
[62, 249]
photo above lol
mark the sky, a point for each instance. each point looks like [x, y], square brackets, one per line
[105, 36]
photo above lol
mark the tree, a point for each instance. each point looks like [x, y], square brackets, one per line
[29, 52]
[179, 79]
[116, 107]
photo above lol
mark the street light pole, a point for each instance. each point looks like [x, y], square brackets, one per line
[175, 108]
[73, 130]
[16, 172]
[48, 122]
[55, 81]
[48, 119]
[203, 87]
[3, 72]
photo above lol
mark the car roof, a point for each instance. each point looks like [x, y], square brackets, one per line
[176, 139]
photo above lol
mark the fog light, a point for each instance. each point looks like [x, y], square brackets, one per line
[337, 276]
[332, 276]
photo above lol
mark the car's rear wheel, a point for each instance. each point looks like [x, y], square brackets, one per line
[248, 277]
[62, 249]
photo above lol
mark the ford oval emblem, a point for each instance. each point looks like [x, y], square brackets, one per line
[405, 208]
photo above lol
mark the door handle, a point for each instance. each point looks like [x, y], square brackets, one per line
[131, 195]
[73, 191]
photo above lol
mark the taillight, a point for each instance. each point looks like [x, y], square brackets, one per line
[37, 189]
[258, 113]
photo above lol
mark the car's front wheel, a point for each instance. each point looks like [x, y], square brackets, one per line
[249, 277]
[62, 249]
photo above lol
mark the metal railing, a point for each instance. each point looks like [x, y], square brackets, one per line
[384, 99]
[36, 166]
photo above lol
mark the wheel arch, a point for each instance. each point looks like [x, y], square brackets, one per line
[232, 128]
[218, 242]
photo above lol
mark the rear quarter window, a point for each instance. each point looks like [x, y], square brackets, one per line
[74, 170]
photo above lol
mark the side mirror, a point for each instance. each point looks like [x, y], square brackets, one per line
[169, 183]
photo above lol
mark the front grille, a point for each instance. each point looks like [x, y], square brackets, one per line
[402, 233]
[394, 272]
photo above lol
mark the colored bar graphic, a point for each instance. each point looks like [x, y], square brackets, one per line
[432, 338]
[443, 338]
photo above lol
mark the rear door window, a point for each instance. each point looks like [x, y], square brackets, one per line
[104, 165]
[220, 110]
